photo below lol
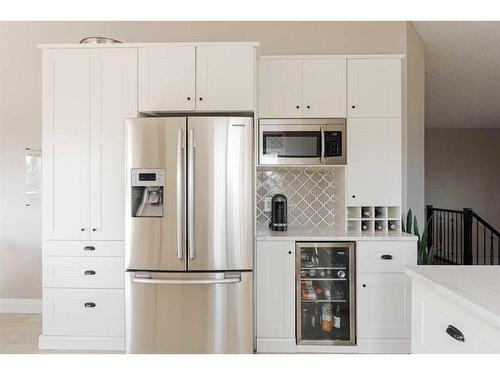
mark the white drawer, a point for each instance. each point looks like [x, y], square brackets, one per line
[436, 313]
[83, 272]
[83, 312]
[84, 248]
[385, 256]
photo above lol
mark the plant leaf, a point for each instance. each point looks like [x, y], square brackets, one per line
[409, 217]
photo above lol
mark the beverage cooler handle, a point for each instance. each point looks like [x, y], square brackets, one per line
[191, 144]
[180, 194]
[322, 144]
[187, 282]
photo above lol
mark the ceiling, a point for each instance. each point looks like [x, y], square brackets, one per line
[462, 74]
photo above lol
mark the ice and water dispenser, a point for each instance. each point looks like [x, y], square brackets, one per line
[148, 187]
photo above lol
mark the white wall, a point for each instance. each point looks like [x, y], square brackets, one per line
[20, 101]
[462, 170]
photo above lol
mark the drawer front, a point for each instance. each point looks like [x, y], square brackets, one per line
[84, 248]
[83, 312]
[437, 314]
[385, 256]
[83, 272]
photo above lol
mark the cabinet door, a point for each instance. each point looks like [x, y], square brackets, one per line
[383, 306]
[374, 162]
[275, 289]
[324, 88]
[280, 88]
[65, 180]
[225, 78]
[114, 98]
[374, 88]
[167, 78]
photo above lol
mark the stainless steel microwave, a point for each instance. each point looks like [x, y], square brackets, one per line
[302, 141]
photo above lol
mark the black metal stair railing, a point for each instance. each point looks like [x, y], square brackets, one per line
[462, 237]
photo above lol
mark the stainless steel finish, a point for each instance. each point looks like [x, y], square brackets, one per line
[352, 293]
[220, 210]
[319, 125]
[180, 194]
[189, 317]
[151, 243]
[98, 40]
[188, 282]
[322, 144]
[191, 225]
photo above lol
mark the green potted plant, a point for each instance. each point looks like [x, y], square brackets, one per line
[425, 254]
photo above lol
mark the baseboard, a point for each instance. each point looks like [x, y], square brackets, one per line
[81, 343]
[380, 346]
[20, 305]
[275, 345]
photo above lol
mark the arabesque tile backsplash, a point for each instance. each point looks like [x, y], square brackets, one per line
[315, 195]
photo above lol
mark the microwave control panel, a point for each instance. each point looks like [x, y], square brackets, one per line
[333, 143]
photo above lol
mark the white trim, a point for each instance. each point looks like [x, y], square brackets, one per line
[136, 45]
[20, 305]
[316, 57]
[81, 343]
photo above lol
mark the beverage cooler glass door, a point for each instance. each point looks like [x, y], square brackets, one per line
[325, 293]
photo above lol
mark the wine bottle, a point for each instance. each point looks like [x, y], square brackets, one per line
[337, 322]
[326, 318]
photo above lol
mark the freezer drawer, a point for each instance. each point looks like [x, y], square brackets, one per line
[189, 312]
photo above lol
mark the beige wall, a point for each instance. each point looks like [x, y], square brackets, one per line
[20, 101]
[462, 169]
[415, 124]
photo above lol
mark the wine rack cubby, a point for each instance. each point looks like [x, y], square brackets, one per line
[372, 219]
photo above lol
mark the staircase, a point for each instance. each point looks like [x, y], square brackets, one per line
[462, 237]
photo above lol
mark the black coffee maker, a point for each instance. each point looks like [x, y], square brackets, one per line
[279, 220]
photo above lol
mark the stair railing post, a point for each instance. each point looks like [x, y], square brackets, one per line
[429, 217]
[468, 236]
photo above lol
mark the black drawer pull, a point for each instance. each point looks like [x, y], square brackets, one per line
[89, 272]
[386, 257]
[89, 248]
[455, 333]
[89, 304]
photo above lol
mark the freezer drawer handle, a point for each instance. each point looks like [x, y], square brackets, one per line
[386, 257]
[188, 282]
[455, 333]
[89, 304]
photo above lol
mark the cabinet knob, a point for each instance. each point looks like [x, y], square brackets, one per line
[94, 229]
[200, 98]
[82, 229]
[289, 252]
[364, 285]
[188, 98]
[297, 107]
[308, 107]
[353, 106]
[354, 196]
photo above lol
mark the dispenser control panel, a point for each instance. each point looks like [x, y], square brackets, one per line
[148, 177]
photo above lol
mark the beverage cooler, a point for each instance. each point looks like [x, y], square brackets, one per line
[325, 293]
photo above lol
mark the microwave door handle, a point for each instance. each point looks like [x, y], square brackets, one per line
[180, 225]
[322, 159]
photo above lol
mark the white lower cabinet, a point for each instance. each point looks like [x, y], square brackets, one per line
[83, 312]
[275, 296]
[383, 306]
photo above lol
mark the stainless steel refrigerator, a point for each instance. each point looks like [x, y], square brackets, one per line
[189, 237]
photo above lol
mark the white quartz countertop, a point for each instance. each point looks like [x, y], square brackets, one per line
[330, 234]
[477, 288]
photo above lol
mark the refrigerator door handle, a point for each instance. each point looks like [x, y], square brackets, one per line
[180, 224]
[191, 145]
[187, 282]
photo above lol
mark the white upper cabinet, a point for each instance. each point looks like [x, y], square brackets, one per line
[113, 98]
[374, 162]
[167, 78]
[225, 78]
[280, 88]
[374, 88]
[302, 88]
[324, 88]
[66, 108]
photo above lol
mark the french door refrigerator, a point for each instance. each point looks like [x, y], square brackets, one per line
[189, 241]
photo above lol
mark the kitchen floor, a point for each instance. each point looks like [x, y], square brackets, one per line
[19, 335]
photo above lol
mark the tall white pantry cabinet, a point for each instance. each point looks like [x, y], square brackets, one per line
[87, 94]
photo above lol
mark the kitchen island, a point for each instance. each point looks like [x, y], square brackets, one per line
[455, 309]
